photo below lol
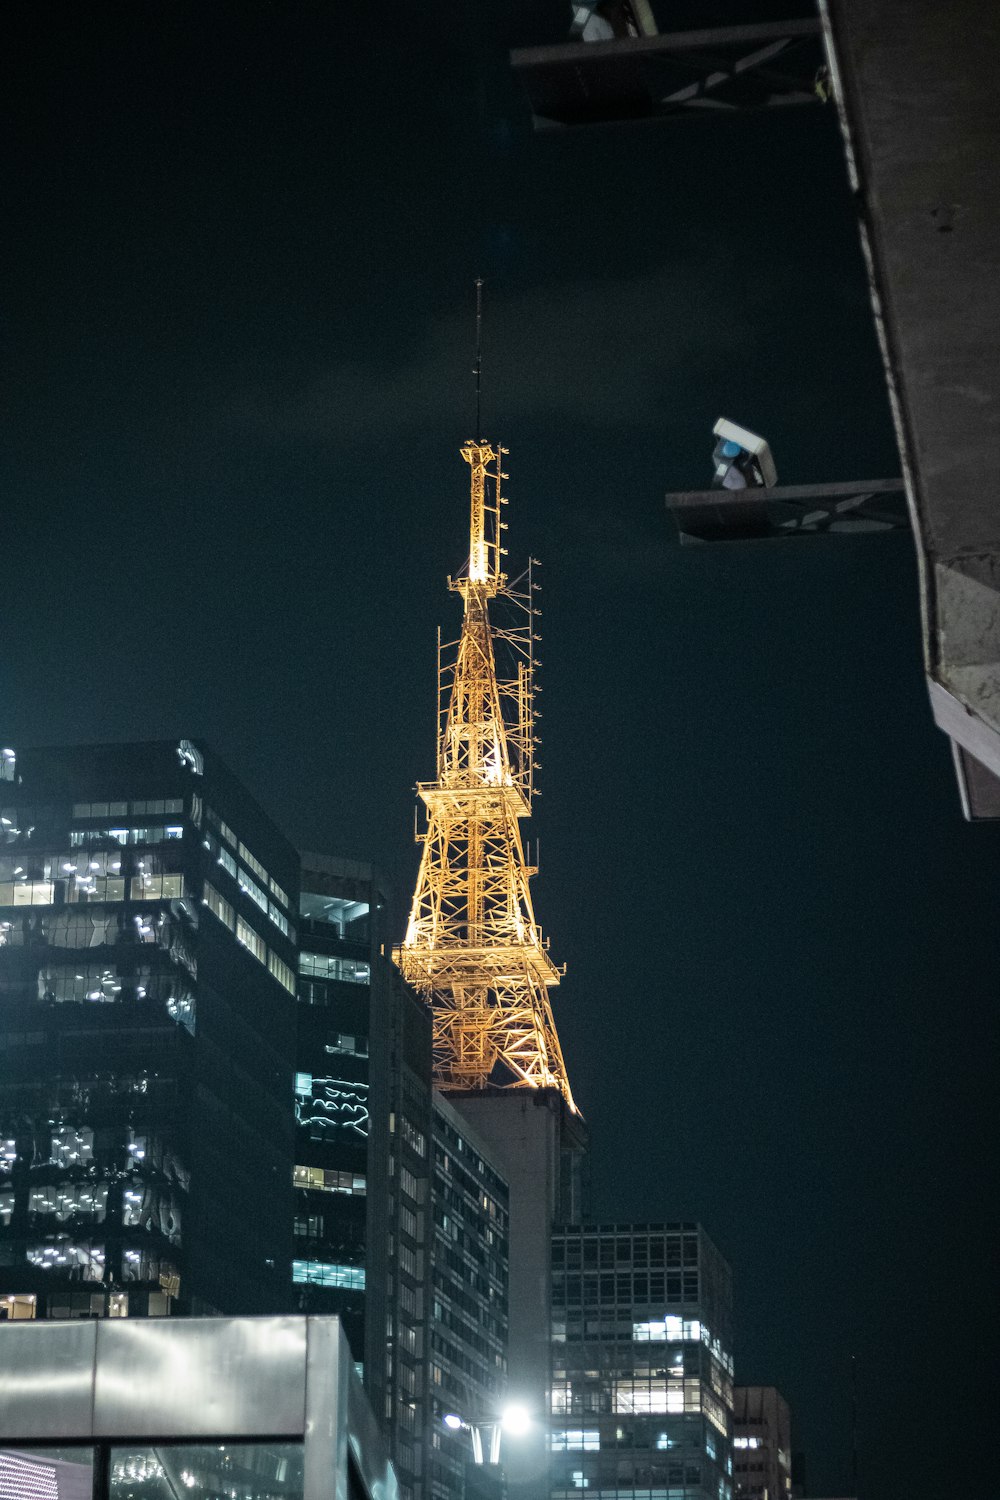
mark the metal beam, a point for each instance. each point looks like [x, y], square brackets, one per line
[573, 54]
[800, 493]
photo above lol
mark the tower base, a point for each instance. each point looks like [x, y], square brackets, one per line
[539, 1144]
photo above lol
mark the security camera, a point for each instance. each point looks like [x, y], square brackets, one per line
[742, 459]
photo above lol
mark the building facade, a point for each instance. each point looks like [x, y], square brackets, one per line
[538, 1143]
[641, 1400]
[762, 1444]
[266, 1409]
[469, 1302]
[363, 1149]
[147, 1034]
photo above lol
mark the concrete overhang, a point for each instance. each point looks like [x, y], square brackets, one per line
[915, 86]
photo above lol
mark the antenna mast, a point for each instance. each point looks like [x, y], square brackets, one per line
[478, 368]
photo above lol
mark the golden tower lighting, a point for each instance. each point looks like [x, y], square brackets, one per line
[473, 948]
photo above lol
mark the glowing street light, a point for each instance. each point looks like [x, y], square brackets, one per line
[515, 1420]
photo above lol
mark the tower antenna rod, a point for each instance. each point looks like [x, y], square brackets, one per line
[478, 367]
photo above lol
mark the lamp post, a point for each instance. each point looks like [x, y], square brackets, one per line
[485, 1435]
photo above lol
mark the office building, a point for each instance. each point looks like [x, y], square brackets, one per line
[261, 1408]
[762, 1444]
[469, 1299]
[363, 1147]
[641, 1402]
[147, 1036]
[538, 1142]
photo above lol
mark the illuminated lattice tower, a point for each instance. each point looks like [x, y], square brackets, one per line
[473, 948]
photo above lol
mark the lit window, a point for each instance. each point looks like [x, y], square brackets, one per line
[90, 887]
[55, 1255]
[322, 1273]
[669, 1330]
[24, 892]
[281, 971]
[17, 1305]
[220, 906]
[62, 1201]
[278, 918]
[588, 1439]
[246, 935]
[350, 1046]
[149, 887]
[655, 1396]
[253, 890]
[324, 1180]
[254, 864]
[322, 966]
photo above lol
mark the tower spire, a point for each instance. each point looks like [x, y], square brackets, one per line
[472, 947]
[478, 368]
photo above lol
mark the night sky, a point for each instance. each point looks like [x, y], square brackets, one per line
[240, 242]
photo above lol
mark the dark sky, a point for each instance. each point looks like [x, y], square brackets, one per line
[239, 246]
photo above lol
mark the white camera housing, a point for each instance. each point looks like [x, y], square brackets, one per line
[752, 443]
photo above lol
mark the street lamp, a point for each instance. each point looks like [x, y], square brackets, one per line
[515, 1420]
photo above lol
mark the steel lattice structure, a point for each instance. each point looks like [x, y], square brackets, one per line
[473, 948]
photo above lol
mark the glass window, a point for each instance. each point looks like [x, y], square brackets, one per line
[246, 935]
[589, 1439]
[220, 906]
[149, 887]
[282, 973]
[253, 1471]
[322, 966]
[278, 918]
[350, 1046]
[46, 1473]
[85, 1259]
[16, 1306]
[23, 892]
[256, 893]
[68, 1200]
[322, 1273]
[325, 1180]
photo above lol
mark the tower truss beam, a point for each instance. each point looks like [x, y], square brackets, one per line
[472, 947]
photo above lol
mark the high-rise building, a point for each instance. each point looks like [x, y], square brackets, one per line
[468, 1315]
[538, 1143]
[147, 1036]
[762, 1444]
[363, 1148]
[641, 1403]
